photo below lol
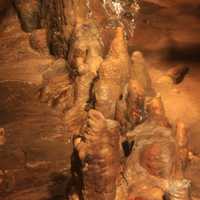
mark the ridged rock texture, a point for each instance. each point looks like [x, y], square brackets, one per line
[99, 153]
[112, 76]
[84, 59]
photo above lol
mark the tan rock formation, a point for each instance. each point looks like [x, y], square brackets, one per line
[140, 72]
[29, 14]
[2, 136]
[85, 57]
[156, 111]
[113, 76]
[57, 90]
[99, 153]
[39, 42]
[149, 167]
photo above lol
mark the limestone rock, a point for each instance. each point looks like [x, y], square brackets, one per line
[101, 164]
[135, 103]
[85, 57]
[113, 76]
[57, 89]
[156, 111]
[140, 72]
[151, 163]
[58, 93]
[130, 110]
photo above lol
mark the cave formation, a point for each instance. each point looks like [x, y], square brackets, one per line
[99, 100]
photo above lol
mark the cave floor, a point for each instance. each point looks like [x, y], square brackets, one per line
[18, 62]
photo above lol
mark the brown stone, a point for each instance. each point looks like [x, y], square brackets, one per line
[101, 157]
[29, 14]
[112, 76]
[139, 72]
[178, 73]
[2, 136]
[38, 40]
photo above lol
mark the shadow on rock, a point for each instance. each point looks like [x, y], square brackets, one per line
[60, 185]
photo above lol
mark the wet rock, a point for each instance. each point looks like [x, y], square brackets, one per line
[60, 18]
[54, 20]
[130, 110]
[57, 89]
[36, 193]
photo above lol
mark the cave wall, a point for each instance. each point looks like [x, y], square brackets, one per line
[36, 140]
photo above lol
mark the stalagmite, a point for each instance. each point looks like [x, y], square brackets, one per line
[140, 72]
[179, 186]
[85, 57]
[135, 103]
[182, 146]
[99, 153]
[130, 110]
[156, 111]
[106, 101]
[113, 75]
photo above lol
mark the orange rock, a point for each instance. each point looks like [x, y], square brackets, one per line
[38, 40]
